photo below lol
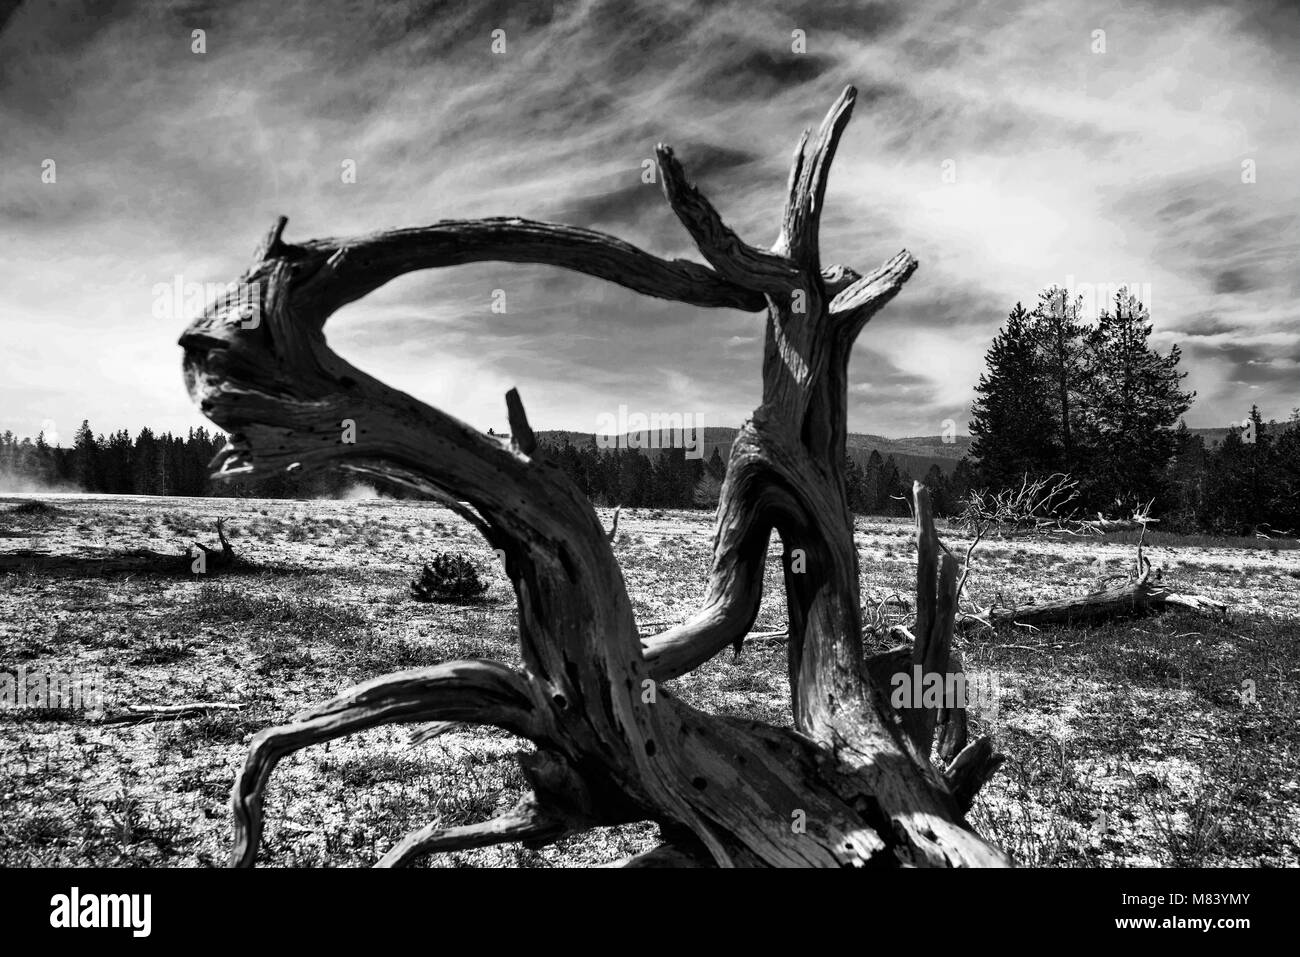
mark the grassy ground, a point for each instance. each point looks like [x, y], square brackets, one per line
[1128, 744]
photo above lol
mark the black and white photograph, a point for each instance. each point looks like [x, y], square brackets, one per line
[649, 434]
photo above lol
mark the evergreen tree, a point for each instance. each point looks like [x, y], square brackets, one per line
[1011, 421]
[939, 490]
[46, 467]
[708, 491]
[116, 459]
[144, 471]
[1058, 339]
[873, 483]
[964, 477]
[855, 489]
[85, 457]
[716, 467]
[891, 488]
[1132, 401]
[672, 486]
[1182, 503]
[635, 479]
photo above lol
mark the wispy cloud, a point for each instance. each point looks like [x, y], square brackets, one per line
[1122, 166]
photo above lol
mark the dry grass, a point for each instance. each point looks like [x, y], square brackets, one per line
[1128, 743]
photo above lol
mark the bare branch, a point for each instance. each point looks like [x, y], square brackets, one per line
[735, 260]
[803, 210]
[271, 244]
[526, 823]
[866, 296]
[359, 265]
[479, 691]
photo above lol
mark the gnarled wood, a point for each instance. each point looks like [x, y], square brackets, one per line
[850, 784]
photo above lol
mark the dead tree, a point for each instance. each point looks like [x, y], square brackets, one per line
[1142, 593]
[1035, 507]
[851, 784]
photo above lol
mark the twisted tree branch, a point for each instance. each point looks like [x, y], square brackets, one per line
[479, 692]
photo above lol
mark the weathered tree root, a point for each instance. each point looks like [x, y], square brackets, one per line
[851, 783]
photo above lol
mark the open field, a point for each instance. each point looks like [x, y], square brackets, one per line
[1128, 744]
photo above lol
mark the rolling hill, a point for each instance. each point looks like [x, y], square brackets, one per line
[914, 454]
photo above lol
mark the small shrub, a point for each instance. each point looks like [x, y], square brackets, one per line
[451, 576]
[163, 651]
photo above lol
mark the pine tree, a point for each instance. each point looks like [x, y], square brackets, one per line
[855, 487]
[708, 491]
[1012, 421]
[1284, 501]
[891, 486]
[46, 469]
[1058, 338]
[144, 471]
[85, 449]
[938, 486]
[116, 462]
[1132, 401]
[8, 459]
[963, 478]
[635, 478]
[873, 483]
[1182, 504]
[716, 467]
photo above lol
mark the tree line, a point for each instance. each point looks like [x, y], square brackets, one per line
[627, 477]
[165, 464]
[148, 464]
[1248, 483]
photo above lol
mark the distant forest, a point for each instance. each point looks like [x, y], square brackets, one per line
[150, 464]
[1247, 482]
[166, 464]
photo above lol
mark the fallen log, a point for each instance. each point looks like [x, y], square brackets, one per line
[198, 559]
[1141, 593]
[1141, 596]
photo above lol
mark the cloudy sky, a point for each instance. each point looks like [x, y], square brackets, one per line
[1068, 165]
